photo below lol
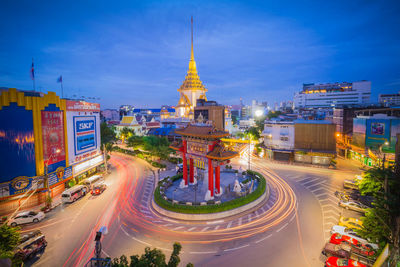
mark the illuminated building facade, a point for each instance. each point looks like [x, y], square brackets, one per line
[330, 95]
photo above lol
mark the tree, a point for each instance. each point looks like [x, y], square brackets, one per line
[253, 133]
[274, 114]
[151, 257]
[9, 240]
[107, 134]
[134, 141]
[382, 222]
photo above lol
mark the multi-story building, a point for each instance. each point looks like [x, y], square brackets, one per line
[304, 141]
[210, 111]
[46, 143]
[110, 115]
[331, 95]
[389, 100]
[279, 139]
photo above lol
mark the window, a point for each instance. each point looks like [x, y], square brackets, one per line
[284, 138]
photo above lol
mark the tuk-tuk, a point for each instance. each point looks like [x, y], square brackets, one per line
[31, 246]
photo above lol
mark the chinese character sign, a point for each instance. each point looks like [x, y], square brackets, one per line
[53, 136]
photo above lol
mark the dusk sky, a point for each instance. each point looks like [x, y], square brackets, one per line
[137, 52]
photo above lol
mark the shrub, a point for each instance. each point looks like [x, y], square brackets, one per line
[212, 208]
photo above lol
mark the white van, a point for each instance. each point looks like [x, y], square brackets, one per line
[72, 194]
[92, 180]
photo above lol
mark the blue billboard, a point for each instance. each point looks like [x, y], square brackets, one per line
[17, 143]
[377, 132]
[85, 133]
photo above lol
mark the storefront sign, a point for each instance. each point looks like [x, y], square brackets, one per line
[53, 137]
[60, 174]
[196, 148]
[81, 167]
[82, 106]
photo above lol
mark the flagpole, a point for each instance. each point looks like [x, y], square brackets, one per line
[62, 90]
[33, 76]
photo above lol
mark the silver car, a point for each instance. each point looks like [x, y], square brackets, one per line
[26, 217]
[353, 205]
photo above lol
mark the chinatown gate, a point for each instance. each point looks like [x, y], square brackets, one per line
[201, 148]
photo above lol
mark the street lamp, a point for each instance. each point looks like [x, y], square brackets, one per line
[46, 168]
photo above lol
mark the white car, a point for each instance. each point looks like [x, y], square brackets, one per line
[346, 231]
[26, 217]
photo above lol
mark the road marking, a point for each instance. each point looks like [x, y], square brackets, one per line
[316, 184]
[262, 209]
[230, 249]
[191, 229]
[317, 189]
[240, 221]
[205, 229]
[286, 224]
[262, 239]
[202, 252]
[256, 213]
[147, 244]
[321, 194]
[311, 183]
[291, 219]
[249, 218]
[168, 224]
[216, 227]
[229, 225]
[331, 211]
[309, 180]
[176, 228]
[166, 219]
[215, 222]
[104, 253]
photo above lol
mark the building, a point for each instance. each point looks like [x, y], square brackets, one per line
[210, 111]
[45, 142]
[110, 115]
[191, 89]
[303, 141]
[330, 95]
[125, 110]
[279, 140]
[373, 137]
[389, 100]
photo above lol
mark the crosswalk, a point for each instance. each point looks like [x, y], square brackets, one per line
[147, 212]
[324, 193]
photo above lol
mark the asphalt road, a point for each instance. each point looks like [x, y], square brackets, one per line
[289, 229]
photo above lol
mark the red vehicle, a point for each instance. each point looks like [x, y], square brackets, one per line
[357, 247]
[98, 188]
[336, 262]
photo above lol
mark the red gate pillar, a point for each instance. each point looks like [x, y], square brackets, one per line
[217, 179]
[191, 172]
[210, 177]
[184, 161]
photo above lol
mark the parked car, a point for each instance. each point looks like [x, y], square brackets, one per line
[348, 232]
[350, 184]
[98, 188]
[357, 247]
[350, 222]
[341, 250]
[336, 262]
[26, 217]
[30, 247]
[353, 205]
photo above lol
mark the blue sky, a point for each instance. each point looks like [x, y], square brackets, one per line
[137, 52]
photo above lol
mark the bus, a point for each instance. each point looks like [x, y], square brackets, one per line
[73, 193]
[92, 180]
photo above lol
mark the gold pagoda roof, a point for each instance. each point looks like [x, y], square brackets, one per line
[192, 80]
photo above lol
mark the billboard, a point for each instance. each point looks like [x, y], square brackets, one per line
[377, 132]
[83, 128]
[53, 139]
[17, 143]
[359, 129]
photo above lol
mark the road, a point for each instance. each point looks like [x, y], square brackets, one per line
[287, 230]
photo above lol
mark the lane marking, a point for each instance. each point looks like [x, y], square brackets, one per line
[202, 252]
[147, 244]
[316, 181]
[216, 227]
[176, 228]
[262, 239]
[316, 184]
[280, 229]
[215, 222]
[229, 225]
[205, 229]
[191, 229]
[230, 249]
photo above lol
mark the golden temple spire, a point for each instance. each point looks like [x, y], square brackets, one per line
[192, 55]
[192, 63]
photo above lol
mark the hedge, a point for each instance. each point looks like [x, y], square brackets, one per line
[141, 155]
[196, 209]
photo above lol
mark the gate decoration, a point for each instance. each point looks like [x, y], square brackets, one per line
[201, 146]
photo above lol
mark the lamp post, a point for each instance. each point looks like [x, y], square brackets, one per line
[46, 169]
